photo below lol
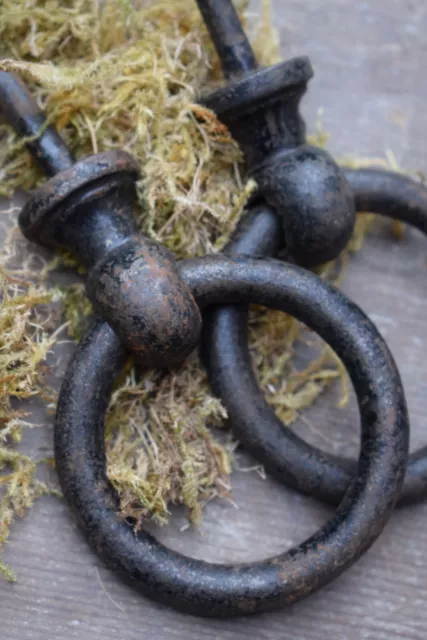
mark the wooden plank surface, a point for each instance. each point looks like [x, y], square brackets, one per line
[370, 79]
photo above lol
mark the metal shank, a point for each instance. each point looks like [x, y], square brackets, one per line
[208, 589]
[22, 112]
[226, 31]
[225, 350]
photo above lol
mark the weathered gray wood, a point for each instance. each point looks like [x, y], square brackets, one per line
[370, 79]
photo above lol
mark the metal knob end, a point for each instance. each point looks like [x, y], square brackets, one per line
[313, 199]
[138, 290]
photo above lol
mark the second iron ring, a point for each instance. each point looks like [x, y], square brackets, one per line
[226, 354]
[307, 208]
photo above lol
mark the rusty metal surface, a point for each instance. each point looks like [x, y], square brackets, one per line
[283, 453]
[195, 586]
[139, 289]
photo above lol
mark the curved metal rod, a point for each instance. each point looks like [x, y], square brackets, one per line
[225, 349]
[208, 589]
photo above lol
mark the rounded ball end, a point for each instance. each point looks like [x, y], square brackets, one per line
[310, 193]
[137, 289]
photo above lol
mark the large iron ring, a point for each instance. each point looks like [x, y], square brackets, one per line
[283, 453]
[208, 589]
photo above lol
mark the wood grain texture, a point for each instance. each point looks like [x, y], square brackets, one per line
[370, 79]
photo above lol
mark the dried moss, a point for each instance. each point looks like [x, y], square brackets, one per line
[135, 87]
[24, 345]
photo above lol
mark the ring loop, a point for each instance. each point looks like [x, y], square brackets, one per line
[208, 589]
[283, 453]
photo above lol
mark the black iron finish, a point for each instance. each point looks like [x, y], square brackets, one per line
[260, 107]
[284, 454]
[208, 589]
[150, 304]
[88, 208]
